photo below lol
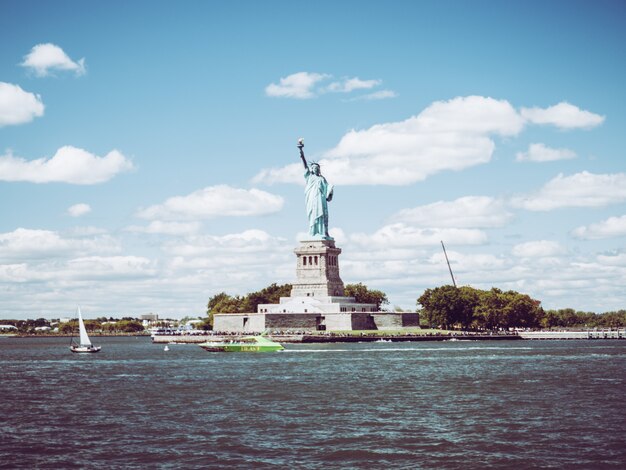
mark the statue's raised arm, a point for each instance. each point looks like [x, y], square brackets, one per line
[301, 147]
[317, 194]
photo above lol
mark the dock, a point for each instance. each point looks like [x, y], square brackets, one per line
[586, 334]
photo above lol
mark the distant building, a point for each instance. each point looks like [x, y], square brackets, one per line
[150, 317]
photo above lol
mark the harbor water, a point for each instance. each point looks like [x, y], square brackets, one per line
[440, 405]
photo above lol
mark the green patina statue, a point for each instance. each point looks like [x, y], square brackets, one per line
[317, 193]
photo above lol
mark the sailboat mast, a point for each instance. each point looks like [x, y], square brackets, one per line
[447, 261]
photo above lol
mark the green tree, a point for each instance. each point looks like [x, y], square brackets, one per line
[207, 323]
[91, 325]
[440, 305]
[550, 319]
[109, 327]
[489, 313]
[69, 327]
[218, 303]
[611, 319]
[224, 303]
[567, 317]
[129, 326]
[521, 311]
[468, 301]
[363, 295]
[269, 295]
[449, 306]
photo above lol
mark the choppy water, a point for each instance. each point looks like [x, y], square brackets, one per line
[539, 404]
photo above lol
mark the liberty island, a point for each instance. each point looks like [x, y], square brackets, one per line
[317, 301]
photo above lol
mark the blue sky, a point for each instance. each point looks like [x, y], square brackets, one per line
[148, 152]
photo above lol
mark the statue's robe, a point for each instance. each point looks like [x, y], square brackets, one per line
[316, 192]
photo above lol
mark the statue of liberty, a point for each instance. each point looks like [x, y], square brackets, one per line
[317, 193]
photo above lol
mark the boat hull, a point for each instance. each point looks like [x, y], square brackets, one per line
[247, 344]
[85, 349]
[241, 348]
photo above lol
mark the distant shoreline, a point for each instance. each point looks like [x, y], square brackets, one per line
[62, 335]
[356, 337]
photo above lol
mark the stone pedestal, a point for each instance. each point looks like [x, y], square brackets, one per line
[318, 287]
[317, 270]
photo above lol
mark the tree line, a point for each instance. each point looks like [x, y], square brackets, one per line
[568, 317]
[99, 325]
[469, 308]
[120, 326]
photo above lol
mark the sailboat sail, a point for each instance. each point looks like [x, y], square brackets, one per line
[85, 345]
[84, 339]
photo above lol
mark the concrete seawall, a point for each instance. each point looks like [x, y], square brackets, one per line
[403, 338]
[334, 338]
[345, 338]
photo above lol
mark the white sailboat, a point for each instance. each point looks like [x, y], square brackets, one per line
[85, 345]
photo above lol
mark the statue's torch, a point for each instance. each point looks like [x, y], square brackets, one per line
[301, 146]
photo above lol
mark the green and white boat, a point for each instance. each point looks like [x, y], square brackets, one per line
[245, 344]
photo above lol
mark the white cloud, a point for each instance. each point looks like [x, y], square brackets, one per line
[79, 209]
[542, 153]
[463, 264]
[579, 190]
[167, 228]
[18, 106]
[377, 95]
[563, 116]
[614, 259]
[448, 135]
[464, 212]
[15, 273]
[232, 262]
[303, 85]
[110, 267]
[244, 243]
[43, 58]
[215, 201]
[25, 243]
[337, 233]
[78, 274]
[298, 85]
[609, 228]
[194, 268]
[471, 114]
[350, 84]
[400, 235]
[68, 165]
[543, 269]
[538, 249]
[292, 173]
[86, 231]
